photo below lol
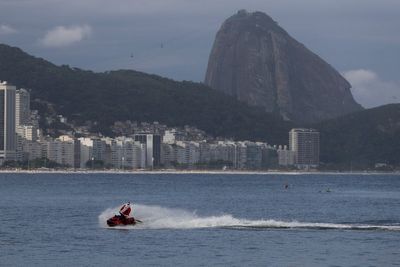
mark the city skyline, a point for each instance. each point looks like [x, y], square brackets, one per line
[160, 146]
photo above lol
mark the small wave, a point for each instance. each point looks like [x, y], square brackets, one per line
[156, 217]
[318, 226]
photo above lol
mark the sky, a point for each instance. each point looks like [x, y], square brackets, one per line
[173, 38]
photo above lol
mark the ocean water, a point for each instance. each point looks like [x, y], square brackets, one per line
[200, 220]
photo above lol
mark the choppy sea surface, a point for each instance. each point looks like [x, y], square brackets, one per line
[200, 220]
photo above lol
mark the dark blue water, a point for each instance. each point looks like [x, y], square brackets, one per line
[200, 220]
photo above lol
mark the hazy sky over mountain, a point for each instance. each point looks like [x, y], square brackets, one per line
[173, 38]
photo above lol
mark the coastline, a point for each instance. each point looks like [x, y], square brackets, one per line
[209, 172]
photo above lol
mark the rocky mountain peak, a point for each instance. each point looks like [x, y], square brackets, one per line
[258, 62]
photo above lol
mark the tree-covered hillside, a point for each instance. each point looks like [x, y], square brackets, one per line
[362, 139]
[356, 140]
[125, 94]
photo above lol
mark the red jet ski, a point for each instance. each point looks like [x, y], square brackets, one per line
[119, 220]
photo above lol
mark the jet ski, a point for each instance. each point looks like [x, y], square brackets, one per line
[120, 221]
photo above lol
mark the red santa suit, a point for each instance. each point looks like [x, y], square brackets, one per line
[125, 210]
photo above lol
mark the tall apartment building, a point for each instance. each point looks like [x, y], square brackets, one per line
[305, 145]
[30, 150]
[91, 149]
[153, 148]
[7, 122]
[22, 107]
[127, 153]
[63, 150]
[285, 156]
[230, 152]
[187, 152]
[27, 132]
[253, 156]
[26, 127]
[168, 154]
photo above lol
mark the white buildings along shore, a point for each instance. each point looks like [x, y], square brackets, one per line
[21, 140]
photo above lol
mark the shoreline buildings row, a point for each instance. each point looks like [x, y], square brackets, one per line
[21, 140]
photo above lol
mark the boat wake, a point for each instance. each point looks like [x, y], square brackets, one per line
[156, 217]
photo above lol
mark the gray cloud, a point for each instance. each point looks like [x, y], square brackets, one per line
[347, 34]
[370, 90]
[62, 36]
[5, 29]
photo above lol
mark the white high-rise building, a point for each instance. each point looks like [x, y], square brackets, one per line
[31, 150]
[285, 156]
[92, 149]
[128, 153]
[27, 132]
[7, 122]
[62, 150]
[188, 152]
[153, 147]
[168, 154]
[305, 145]
[134, 154]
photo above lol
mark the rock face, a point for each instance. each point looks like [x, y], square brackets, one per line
[259, 63]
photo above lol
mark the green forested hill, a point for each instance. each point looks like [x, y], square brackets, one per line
[356, 140]
[125, 94]
[362, 138]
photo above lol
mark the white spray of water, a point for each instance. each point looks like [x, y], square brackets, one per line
[156, 217]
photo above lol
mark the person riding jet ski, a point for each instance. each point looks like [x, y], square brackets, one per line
[125, 211]
[124, 217]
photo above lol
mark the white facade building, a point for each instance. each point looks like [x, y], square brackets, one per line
[188, 153]
[92, 149]
[153, 148]
[31, 150]
[305, 145]
[27, 132]
[61, 150]
[285, 156]
[126, 153]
